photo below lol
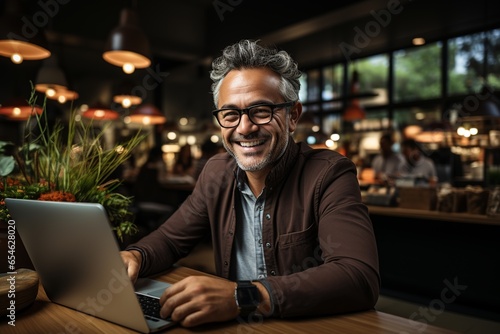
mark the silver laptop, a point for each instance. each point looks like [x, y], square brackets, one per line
[74, 251]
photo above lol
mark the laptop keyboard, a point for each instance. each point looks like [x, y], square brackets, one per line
[150, 306]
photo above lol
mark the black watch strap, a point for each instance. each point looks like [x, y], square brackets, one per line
[247, 297]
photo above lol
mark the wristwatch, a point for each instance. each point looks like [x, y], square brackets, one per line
[247, 297]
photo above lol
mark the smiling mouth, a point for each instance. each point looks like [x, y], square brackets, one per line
[252, 143]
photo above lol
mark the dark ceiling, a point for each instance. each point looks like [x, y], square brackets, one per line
[191, 32]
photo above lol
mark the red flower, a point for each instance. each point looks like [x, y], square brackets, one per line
[57, 196]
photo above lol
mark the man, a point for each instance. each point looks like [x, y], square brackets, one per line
[416, 165]
[281, 215]
[387, 164]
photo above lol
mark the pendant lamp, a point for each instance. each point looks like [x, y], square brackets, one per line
[127, 100]
[100, 112]
[18, 109]
[127, 45]
[124, 95]
[354, 110]
[52, 82]
[147, 114]
[20, 39]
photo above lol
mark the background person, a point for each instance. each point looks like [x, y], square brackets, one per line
[288, 227]
[416, 164]
[184, 164]
[387, 164]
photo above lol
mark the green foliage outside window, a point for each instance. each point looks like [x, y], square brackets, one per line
[417, 73]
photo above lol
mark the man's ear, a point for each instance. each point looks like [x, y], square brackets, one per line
[295, 113]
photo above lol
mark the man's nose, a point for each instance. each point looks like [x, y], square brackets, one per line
[246, 125]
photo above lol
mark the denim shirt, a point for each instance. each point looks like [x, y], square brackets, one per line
[249, 262]
[319, 247]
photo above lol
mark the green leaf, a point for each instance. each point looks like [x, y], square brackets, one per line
[7, 165]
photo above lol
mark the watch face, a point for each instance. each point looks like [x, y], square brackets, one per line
[248, 296]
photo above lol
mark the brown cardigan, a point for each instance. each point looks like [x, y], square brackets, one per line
[320, 249]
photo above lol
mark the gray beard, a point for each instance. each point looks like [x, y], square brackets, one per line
[267, 159]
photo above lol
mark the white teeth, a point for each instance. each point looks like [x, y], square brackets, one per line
[250, 143]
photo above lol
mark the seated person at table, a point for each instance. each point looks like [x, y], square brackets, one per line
[387, 163]
[416, 164]
[184, 163]
[290, 234]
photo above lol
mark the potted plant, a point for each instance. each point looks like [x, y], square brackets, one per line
[66, 162]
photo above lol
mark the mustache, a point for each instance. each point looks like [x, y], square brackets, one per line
[254, 135]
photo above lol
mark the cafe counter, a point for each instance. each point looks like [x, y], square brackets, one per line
[440, 259]
[457, 217]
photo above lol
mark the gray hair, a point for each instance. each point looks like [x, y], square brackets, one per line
[248, 54]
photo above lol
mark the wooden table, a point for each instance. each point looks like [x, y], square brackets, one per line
[46, 317]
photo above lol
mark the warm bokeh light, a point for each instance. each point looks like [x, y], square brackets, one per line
[99, 113]
[126, 103]
[128, 68]
[171, 135]
[16, 58]
[335, 137]
[418, 41]
[50, 92]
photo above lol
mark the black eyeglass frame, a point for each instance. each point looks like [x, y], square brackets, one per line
[242, 111]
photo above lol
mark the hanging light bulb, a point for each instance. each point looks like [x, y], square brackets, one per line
[354, 111]
[128, 68]
[14, 42]
[16, 58]
[127, 45]
[50, 92]
[124, 95]
[61, 99]
[100, 112]
[17, 109]
[147, 114]
[51, 81]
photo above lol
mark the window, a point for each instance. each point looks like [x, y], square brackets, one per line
[493, 52]
[417, 92]
[313, 85]
[465, 63]
[417, 73]
[373, 76]
[332, 86]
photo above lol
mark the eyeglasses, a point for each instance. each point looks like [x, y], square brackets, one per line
[259, 114]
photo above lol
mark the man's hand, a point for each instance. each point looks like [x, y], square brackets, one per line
[132, 260]
[198, 299]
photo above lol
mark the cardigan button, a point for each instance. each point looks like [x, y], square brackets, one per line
[273, 273]
[268, 245]
[268, 216]
[225, 263]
